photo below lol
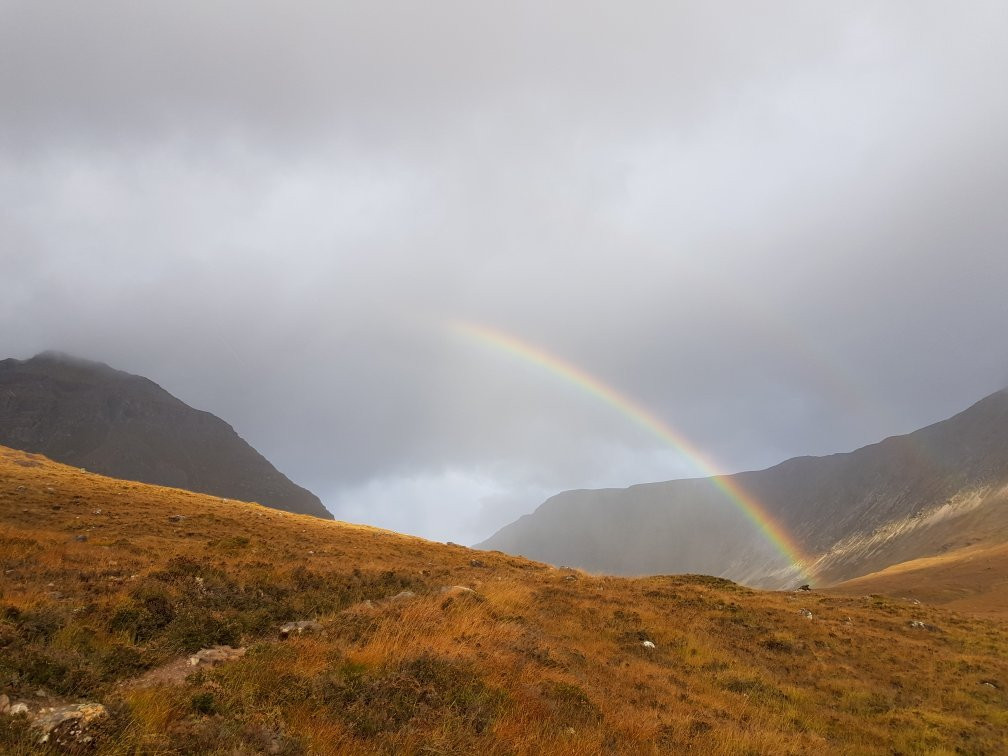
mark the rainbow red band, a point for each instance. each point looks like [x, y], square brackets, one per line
[746, 503]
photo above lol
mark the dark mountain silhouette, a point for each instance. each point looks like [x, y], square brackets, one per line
[939, 488]
[90, 415]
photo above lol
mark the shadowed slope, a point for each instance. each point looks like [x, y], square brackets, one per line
[854, 512]
[90, 415]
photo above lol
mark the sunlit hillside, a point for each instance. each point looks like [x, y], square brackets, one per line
[109, 588]
[972, 579]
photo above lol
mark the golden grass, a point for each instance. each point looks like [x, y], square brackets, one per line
[973, 579]
[540, 661]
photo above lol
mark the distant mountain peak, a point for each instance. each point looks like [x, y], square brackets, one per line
[88, 414]
[901, 498]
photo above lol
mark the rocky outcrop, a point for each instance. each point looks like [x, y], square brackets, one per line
[211, 657]
[68, 725]
[299, 628]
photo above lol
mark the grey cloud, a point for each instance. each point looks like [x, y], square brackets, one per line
[779, 230]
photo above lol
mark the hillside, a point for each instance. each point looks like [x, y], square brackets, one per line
[972, 579]
[110, 586]
[89, 415]
[908, 496]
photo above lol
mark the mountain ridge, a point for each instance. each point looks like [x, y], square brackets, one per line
[88, 414]
[818, 500]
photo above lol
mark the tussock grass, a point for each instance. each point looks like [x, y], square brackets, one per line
[535, 663]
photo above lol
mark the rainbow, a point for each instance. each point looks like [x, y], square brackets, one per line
[747, 504]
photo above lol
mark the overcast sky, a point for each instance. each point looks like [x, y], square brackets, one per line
[780, 227]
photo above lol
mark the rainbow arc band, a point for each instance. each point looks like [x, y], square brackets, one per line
[746, 503]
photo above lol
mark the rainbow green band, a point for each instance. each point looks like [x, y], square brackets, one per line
[746, 503]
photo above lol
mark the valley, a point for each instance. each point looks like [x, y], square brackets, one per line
[413, 646]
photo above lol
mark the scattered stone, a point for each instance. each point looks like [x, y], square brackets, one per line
[21, 488]
[67, 725]
[176, 518]
[917, 624]
[19, 708]
[97, 511]
[299, 627]
[80, 538]
[805, 587]
[49, 489]
[648, 645]
[402, 596]
[217, 655]
[806, 614]
[570, 577]
[457, 591]
[476, 563]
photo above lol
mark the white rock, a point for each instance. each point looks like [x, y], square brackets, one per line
[457, 590]
[18, 708]
[648, 645]
[299, 627]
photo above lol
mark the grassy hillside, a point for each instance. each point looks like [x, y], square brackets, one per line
[972, 579]
[534, 660]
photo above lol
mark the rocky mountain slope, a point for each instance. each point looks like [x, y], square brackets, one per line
[138, 619]
[92, 416]
[938, 488]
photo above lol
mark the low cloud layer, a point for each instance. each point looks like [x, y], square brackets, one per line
[780, 230]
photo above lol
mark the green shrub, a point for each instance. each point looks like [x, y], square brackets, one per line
[373, 703]
[204, 703]
[123, 661]
[192, 630]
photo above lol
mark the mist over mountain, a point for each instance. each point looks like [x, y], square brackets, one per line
[929, 491]
[90, 415]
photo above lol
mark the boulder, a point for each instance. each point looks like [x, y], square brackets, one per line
[68, 725]
[402, 596]
[217, 655]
